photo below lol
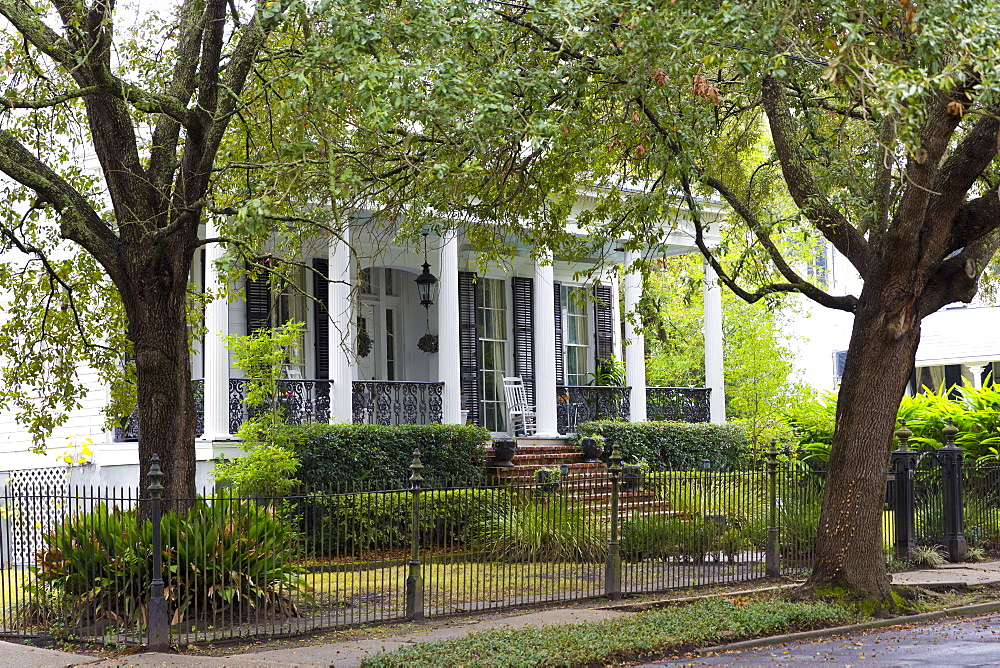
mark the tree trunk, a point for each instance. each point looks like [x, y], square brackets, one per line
[157, 312]
[849, 548]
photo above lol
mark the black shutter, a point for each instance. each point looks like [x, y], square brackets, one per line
[560, 353]
[604, 330]
[987, 375]
[524, 333]
[258, 301]
[468, 343]
[953, 380]
[321, 292]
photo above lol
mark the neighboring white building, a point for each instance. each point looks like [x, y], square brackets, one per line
[533, 319]
[959, 341]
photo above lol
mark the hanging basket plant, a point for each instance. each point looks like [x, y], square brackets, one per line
[428, 343]
[364, 344]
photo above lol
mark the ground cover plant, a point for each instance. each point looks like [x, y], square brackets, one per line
[646, 634]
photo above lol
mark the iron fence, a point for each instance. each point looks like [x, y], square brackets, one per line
[682, 404]
[81, 561]
[302, 401]
[580, 403]
[395, 402]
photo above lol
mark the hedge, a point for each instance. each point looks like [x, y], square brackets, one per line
[338, 524]
[673, 445]
[333, 455]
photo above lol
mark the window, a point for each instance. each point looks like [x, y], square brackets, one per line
[576, 342]
[292, 306]
[390, 345]
[365, 283]
[390, 283]
[493, 350]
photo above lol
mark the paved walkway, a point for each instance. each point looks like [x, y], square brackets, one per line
[348, 654]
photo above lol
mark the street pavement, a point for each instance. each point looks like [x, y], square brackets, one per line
[958, 642]
[965, 641]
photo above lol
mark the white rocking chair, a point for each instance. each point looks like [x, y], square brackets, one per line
[520, 414]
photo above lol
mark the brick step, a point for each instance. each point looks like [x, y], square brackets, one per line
[541, 450]
[523, 442]
[524, 473]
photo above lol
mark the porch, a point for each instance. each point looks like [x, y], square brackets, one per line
[408, 402]
[424, 334]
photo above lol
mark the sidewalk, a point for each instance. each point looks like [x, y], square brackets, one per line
[349, 654]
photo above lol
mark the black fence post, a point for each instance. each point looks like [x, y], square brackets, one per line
[415, 580]
[772, 563]
[158, 627]
[950, 458]
[903, 463]
[613, 565]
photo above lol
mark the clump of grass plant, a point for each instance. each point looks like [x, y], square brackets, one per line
[543, 530]
[645, 634]
[930, 556]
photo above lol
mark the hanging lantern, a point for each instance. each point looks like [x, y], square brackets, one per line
[426, 281]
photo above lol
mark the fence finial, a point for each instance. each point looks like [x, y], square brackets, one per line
[416, 466]
[949, 432]
[155, 476]
[615, 459]
[904, 434]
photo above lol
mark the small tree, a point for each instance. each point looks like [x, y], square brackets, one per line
[268, 466]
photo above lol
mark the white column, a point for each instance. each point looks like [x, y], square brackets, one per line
[635, 343]
[214, 351]
[342, 326]
[449, 355]
[977, 374]
[545, 349]
[713, 346]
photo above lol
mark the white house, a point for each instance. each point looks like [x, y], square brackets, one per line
[959, 341]
[534, 318]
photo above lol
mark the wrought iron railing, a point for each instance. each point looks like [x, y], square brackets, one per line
[580, 403]
[681, 404]
[130, 430]
[396, 402]
[302, 401]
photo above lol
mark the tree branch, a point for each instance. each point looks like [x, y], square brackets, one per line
[801, 185]
[795, 282]
[79, 222]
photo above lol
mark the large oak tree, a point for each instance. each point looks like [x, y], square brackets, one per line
[152, 104]
[871, 125]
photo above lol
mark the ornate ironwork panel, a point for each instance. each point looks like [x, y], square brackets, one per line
[390, 402]
[130, 430]
[580, 403]
[681, 404]
[301, 401]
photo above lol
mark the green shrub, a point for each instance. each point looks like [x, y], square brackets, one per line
[222, 560]
[543, 531]
[337, 454]
[673, 445]
[380, 521]
[739, 498]
[658, 537]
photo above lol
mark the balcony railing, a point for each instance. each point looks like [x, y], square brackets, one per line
[130, 431]
[390, 402]
[682, 404]
[302, 400]
[580, 403]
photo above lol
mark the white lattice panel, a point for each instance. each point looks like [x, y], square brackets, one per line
[37, 498]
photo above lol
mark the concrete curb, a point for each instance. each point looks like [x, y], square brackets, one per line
[960, 611]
